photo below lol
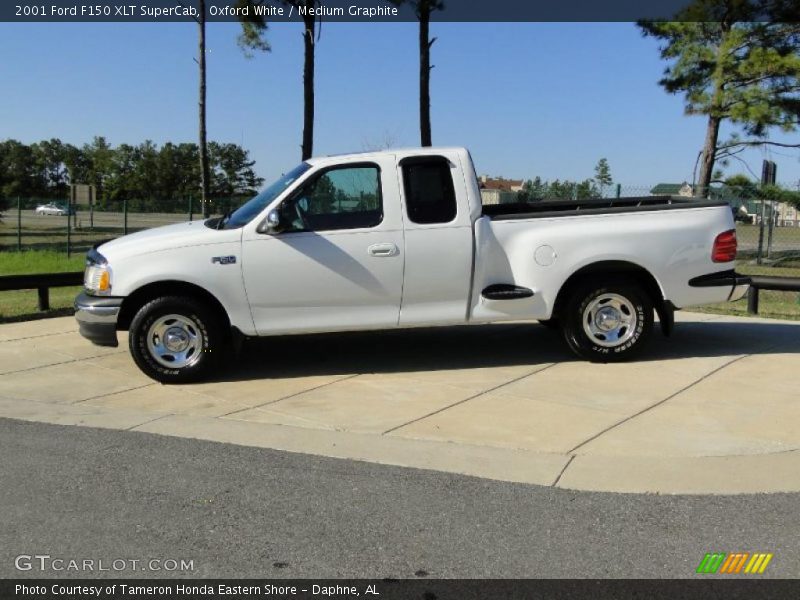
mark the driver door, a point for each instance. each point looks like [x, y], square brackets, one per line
[337, 261]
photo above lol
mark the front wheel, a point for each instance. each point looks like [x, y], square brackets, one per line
[608, 322]
[176, 339]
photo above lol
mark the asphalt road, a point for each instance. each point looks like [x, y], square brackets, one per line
[101, 219]
[79, 493]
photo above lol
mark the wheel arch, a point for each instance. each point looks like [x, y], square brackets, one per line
[617, 268]
[134, 301]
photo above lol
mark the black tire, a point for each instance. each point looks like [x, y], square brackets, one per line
[591, 297]
[205, 353]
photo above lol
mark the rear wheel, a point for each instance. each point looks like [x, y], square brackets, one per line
[176, 339]
[608, 322]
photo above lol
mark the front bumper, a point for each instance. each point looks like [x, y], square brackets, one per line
[739, 284]
[97, 318]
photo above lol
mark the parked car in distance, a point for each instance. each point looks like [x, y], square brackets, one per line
[399, 238]
[741, 216]
[52, 208]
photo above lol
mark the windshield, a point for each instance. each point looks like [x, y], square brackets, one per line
[250, 209]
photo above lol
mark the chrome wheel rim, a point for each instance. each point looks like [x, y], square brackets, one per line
[175, 341]
[610, 320]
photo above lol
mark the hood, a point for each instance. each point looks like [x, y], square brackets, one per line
[191, 233]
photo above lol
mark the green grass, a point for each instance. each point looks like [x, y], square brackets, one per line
[775, 305]
[780, 235]
[771, 305]
[747, 269]
[19, 305]
[39, 261]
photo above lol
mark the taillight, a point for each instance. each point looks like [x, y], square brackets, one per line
[724, 249]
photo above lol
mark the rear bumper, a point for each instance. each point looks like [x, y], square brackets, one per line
[97, 318]
[738, 284]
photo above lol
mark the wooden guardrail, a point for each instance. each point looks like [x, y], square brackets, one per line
[44, 281]
[41, 282]
[761, 282]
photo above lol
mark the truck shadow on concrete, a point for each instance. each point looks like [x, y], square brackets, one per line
[482, 346]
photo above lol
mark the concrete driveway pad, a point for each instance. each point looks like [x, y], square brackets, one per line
[370, 403]
[498, 419]
[31, 329]
[750, 407]
[68, 382]
[20, 357]
[160, 400]
[714, 409]
[616, 388]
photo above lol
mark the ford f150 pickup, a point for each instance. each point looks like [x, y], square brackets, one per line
[400, 239]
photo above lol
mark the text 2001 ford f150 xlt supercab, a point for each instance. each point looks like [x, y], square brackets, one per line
[400, 239]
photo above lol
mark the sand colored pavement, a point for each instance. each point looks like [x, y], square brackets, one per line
[713, 409]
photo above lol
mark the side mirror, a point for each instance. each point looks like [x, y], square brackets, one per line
[272, 224]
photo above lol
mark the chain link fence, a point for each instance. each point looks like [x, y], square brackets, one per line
[768, 230]
[47, 224]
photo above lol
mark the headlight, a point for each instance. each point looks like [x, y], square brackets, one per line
[97, 277]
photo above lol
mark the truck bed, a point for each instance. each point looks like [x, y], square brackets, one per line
[567, 208]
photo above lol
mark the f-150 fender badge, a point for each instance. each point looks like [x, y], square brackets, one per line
[223, 260]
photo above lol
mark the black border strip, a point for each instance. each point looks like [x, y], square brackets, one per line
[701, 587]
[370, 11]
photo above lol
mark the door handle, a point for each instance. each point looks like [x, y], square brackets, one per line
[382, 250]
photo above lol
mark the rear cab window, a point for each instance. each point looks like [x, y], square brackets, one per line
[429, 192]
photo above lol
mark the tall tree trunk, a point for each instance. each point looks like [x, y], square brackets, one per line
[201, 60]
[424, 74]
[308, 84]
[709, 156]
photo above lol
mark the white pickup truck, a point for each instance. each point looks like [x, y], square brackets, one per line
[400, 239]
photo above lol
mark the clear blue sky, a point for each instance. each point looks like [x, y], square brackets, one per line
[528, 99]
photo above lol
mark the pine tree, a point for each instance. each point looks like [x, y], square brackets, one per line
[731, 62]
[602, 175]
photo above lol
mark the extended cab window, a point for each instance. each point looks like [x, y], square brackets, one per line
[340, 198]
[429, 192]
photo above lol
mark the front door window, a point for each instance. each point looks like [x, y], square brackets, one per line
[341, 198]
